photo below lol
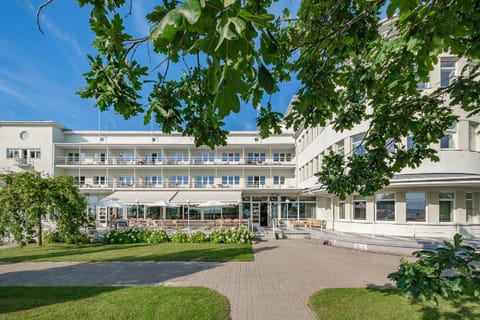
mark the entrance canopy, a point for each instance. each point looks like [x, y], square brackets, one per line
[140, 197]
[200, 197]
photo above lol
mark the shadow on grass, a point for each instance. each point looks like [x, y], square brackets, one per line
[14, 299]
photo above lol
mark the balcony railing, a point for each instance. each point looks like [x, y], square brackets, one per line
[140, 161]
[170, 185]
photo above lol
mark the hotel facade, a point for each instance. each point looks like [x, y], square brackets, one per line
[260, 180]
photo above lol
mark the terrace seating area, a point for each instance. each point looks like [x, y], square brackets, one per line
[178, 224]
[310, 223]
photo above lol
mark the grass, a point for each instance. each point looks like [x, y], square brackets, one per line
[112, 303]
[129, 252]
[378, 304]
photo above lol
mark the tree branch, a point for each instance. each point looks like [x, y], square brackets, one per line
[37, 15]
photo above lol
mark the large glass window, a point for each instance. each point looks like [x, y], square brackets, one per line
[99, 180]
[358, 147]
[255, 181]
[445, 202]
[341, 210]
[278, 180]
[469, 206]
[153, 180]
[447, 72]
[282, 156]
[385, 206]
[231, 156]
[415, 206]
[178, 181]
[472, 136]
[230, 180]
[203, 181]
[448, 140]
[256, 157]
[125, 181]
[359, 208]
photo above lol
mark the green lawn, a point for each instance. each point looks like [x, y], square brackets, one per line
[378, 304]
[112, 303]
[130, 252]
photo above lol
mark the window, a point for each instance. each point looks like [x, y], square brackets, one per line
[341, 147]
[34, 153]
[99, 157]
[410, 142]
[230, 180]
[415, 206]
[79, 181]
[278, 180]
[385, 206]
[255, 181]
[282, 156]
[203, 181]
[153, 180]
[153, 157]
[447, 72]
[256, 157]
[99, 180]
[205, 157]
[127, 158]
[472, 136]
[176, 158]
[357, 144]
[178, 181]
[448, 140]
[445, 202]
[231, 156]
[359, 208]
[341, 210]
[469, 206]
[390, 145]
[125, 181]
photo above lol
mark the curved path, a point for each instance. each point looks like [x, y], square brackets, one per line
[275, 286]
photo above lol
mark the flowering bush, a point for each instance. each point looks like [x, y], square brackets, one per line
[179, 237]
[234, 235]
[240, 235]
[198, 237]
[126, 236]
[158, 237]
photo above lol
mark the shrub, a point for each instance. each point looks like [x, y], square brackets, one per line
[179, 237]
[52, 237]
[158, 237]
[240, 235]
[198, 237]
[80, 238]
[126, 236]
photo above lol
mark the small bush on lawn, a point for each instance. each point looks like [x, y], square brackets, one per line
[52, 237]
[158, 237]
[179, 237]
[198, 237]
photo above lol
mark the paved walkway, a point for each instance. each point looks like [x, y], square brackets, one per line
[275, 286]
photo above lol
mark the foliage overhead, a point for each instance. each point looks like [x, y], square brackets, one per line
[237, 52]
[26, 197]
[450, 272]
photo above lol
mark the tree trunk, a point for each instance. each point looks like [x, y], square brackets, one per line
[40, 230]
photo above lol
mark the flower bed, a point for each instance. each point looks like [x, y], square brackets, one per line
[234, 235]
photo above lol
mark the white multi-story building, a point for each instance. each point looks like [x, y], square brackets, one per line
[437, 199]
[152, 175]
[251, 177]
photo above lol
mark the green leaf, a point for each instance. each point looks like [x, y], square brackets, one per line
[265, 79]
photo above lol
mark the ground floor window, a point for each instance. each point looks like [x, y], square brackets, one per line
[307, 210]
[385, 206]
[415, 206]
[469, 206]
[341, 210]
[445, 202]
[359, 208]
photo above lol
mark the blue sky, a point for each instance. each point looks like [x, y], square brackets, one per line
[40, 73]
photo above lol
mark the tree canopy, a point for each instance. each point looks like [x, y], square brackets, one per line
[26, 197]
[236, 52]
